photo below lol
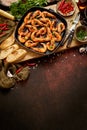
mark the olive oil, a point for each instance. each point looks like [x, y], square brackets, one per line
[82, 5]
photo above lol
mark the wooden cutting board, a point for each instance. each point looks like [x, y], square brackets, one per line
[32, 55]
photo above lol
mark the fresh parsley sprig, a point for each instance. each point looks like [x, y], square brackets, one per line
[19, 8]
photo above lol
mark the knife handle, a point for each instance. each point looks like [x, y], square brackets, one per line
[70, 38]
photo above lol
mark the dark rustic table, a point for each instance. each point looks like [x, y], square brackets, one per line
[53, 98]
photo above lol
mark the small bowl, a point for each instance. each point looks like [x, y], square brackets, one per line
[81, 34]
[66, 14]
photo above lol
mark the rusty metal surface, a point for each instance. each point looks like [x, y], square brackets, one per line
[53, 98]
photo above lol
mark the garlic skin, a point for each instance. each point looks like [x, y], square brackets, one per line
[83, 49]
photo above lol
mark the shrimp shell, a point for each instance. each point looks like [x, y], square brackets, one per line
[47, 14]
[46, 21]
[30, 43]
[51, 45]
[61, 27]
[21, 28]
[42, 31]
[40, 39]
[28, 17]
[23, 33]
[22, 39]
[37, 14]
[40, 49]
[36, 22]
[31, 28]
[57, 36]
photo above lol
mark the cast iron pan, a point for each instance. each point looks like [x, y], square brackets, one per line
[59, 19]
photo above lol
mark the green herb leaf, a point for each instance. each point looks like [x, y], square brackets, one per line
[81, 34]
[19, 8]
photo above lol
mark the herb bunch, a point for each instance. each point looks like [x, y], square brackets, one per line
[19, 8]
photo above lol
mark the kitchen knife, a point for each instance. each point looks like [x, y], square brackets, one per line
[72, 30]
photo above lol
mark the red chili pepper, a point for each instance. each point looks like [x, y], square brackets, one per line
[18, 70]
[6, 29]
[31, 64]
[67, 7]
[61, 4]
[64, 6]
[3, 28]
[3, 24]
[2, 34]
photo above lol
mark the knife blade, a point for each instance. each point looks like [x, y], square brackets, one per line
[75, 21]
[72, 29]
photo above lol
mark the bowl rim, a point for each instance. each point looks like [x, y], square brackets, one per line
[78, 27]
[68, 14]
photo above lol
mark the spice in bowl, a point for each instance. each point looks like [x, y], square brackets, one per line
[81, 33]
[65, 7]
